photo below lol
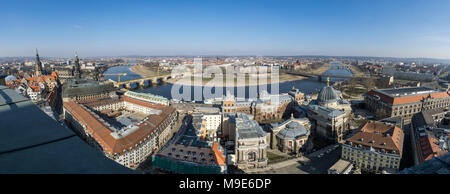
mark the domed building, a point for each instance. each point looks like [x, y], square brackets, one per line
[292, 138]
[328, 97]
[330, 114]
[289, 136]
[331, 98]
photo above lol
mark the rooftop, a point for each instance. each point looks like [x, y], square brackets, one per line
[326, 111]
[293, 130]
[437, 165]
[35, 143]
[407, 95]
[112, 140]
[77, 87]
[380, 136]
[246, 128]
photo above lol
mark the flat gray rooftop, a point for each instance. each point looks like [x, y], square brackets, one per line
[32, 142]
[406, 91]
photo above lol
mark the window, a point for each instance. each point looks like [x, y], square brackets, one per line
[251, 156]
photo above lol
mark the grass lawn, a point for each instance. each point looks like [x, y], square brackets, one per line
[274, 158]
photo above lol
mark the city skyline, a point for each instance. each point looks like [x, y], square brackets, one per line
[410, 29]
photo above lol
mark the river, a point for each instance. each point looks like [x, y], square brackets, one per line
[306, 86]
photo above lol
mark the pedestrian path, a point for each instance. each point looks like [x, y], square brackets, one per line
[290, 162]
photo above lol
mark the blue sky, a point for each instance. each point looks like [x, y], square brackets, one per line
[396, 28]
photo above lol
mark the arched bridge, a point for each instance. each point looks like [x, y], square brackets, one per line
[143, 81]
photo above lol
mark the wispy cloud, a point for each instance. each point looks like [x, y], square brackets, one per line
[78, 27]
[437, 38]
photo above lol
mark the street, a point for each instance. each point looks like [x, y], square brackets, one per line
[310, 164]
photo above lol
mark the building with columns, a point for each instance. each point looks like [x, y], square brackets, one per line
[251, 144]
[290, 136]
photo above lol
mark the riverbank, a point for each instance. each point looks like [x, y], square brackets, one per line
[250, 80]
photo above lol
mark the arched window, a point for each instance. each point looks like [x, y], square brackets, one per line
[251, 156]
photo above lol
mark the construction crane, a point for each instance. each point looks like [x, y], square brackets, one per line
[118, 76]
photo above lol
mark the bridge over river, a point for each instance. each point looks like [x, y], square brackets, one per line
[144, 81]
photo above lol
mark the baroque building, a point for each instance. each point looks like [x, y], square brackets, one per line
[125, 129]
[251, 144]
[376, 146]
[290, 136]
[267, 108]
[405, 102]
[83, 89]
[329, 115]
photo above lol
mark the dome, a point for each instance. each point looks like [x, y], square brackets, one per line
[327, 94]
[10, 77]
[292, 125]
[293, 130]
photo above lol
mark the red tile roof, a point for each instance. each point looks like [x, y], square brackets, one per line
[407, 99]
[102, 134]
[428, 148]
[379, 135]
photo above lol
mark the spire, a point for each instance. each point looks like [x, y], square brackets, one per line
[328, 81]
[77, 72]
[38, 65]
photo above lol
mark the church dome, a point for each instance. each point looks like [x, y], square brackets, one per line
[327, 95]
[293, 130]
[10, 77]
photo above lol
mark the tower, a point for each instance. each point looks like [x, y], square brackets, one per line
[38, 65]
[77, 70]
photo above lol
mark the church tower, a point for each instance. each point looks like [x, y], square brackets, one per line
[77, 72]
[38, 65]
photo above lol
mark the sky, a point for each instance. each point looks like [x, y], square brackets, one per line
[389, 28]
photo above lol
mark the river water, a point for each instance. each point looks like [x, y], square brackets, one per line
[337, 69]
[306, 86]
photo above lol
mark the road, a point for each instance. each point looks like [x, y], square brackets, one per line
[310, 164]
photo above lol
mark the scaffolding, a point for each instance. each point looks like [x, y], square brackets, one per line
[183, 167]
